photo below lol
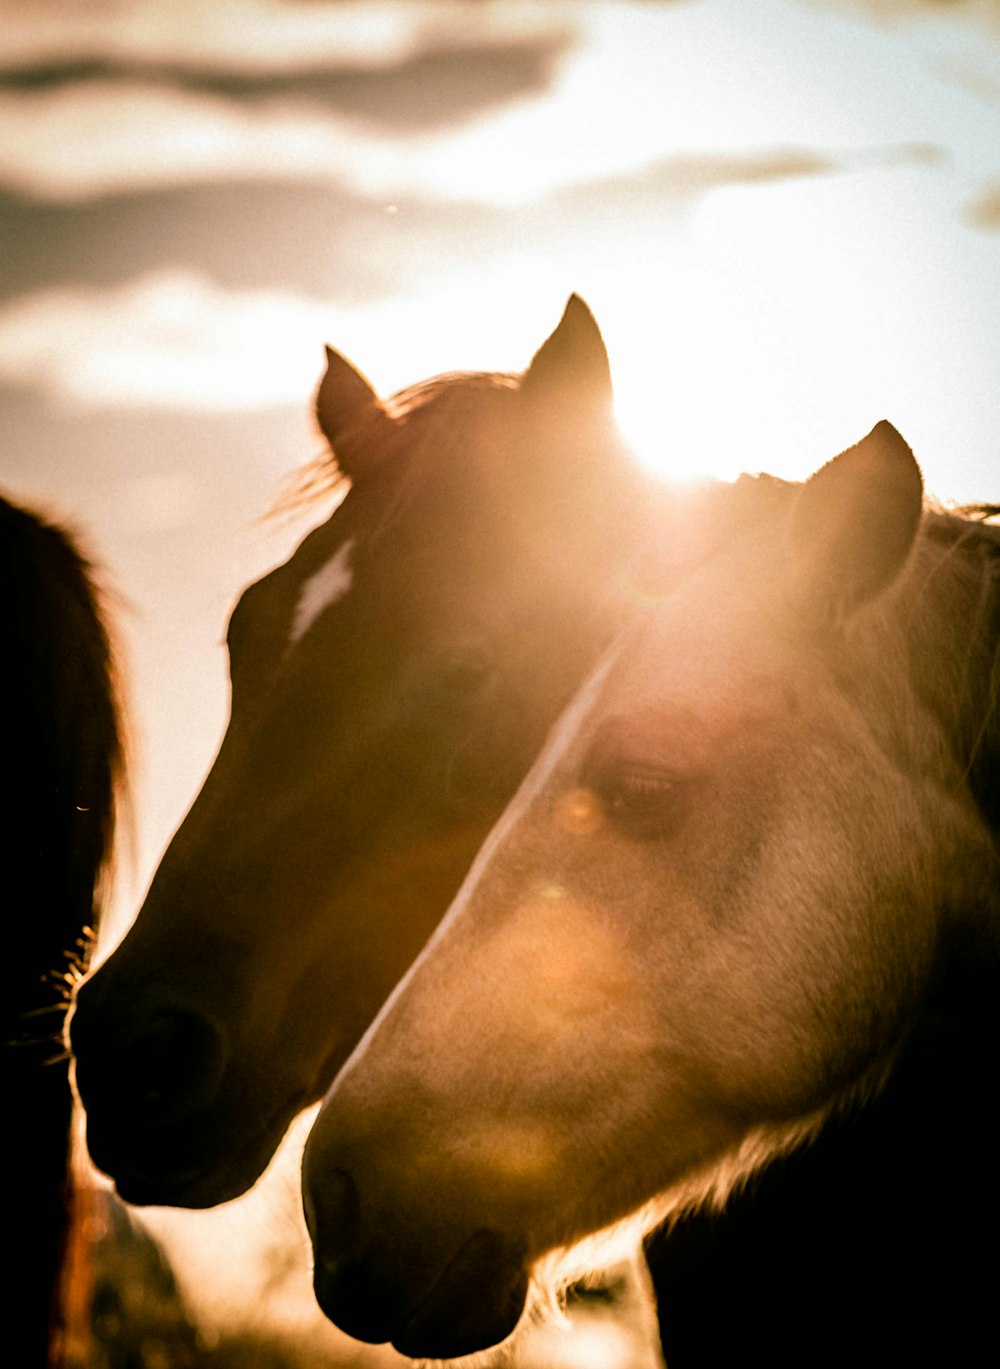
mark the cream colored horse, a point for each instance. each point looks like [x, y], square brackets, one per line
[709, 918]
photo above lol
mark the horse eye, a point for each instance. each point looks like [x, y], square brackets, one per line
[638, 795]
[640, 789]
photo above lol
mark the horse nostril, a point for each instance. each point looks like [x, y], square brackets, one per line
[333, 1217]
[177, 1065]
[158, 1070]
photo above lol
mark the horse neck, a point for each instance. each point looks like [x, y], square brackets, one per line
[923, 660]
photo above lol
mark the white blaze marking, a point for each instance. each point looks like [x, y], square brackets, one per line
[324, 587]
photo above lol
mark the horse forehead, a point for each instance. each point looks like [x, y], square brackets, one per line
[713, 636]
[688, 683]
[424, 564]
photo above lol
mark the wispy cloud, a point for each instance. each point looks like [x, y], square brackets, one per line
[324, 239]
[240, 325]
[688, 177]
[252, 35]
[984, 212]
[168, 340]
[96, 99]
[174, 340]
[104, 139]
[435, 88]
[314, 238]
[597, 91]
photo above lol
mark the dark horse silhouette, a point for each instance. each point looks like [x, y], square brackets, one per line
[62, 768]
[752, 878]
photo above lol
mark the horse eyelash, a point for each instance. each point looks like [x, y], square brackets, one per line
[646, 782]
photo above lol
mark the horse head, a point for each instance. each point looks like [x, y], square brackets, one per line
[391, 684]
[706, 920]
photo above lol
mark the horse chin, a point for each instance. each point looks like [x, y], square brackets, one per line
[186, 1167]
[191, 1187]
[476, 1304]
[473, 1304]
[187, 1191]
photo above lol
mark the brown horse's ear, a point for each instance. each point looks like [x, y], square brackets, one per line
[571, 367]
[351, 416]
[854, 521]
[576, 469]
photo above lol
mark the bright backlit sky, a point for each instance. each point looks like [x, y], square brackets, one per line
[784, 213]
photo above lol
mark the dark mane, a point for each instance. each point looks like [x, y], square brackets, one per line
[432, 420]
[63, 778]
[938, 627]
[454, 385]
[68, 757]
[953, 591]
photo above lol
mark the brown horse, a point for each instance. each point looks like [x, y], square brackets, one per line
[62, 771]
[391, 684]
[715, 915]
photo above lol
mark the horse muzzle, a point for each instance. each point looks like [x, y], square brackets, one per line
[436, 1303]
[149, 1082]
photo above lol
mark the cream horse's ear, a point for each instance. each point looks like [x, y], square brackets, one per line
[351, 417]
[854, 522]
[571, 367]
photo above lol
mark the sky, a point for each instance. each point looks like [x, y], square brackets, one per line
[785, 215]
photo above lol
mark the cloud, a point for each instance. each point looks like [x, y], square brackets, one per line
[310, 237]
[435, 88]
[173, 340]
[327, 241]
[433, 116]
[101, 99]
[218, 298]
[688, 177]
[168, 340]
[81, 143]
[984, 212]
[251, 35]
[102, 138]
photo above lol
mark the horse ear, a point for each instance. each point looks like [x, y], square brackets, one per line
[571, 366]
[854, 521]
[346, 406]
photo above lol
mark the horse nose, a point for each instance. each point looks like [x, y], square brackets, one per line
[347, 1296]
[162, 1064]
[468, 1300]
[457, 1318]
